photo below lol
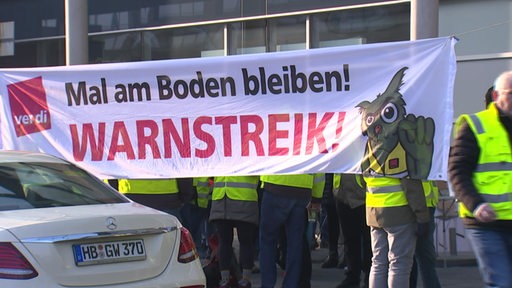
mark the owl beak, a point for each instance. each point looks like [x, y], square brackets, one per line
[377, 129]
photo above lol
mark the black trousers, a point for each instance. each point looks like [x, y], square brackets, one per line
[358, 250]
[246, 235]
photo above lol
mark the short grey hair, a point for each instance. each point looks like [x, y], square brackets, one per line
[503, 82]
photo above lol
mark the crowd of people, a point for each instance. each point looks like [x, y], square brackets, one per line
[270, 216]
[386, 223]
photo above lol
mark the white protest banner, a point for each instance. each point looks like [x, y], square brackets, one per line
[385, 107]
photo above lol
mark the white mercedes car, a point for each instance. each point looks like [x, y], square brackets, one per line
[62, 227]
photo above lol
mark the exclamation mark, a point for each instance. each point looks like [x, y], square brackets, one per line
[339, 129]
[346, 76]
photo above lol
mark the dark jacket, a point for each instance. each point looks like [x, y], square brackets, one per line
[463, 160]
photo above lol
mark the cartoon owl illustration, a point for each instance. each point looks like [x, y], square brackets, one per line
[399, 144]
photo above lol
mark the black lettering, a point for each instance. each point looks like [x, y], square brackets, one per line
[138, 88]
[164, 87]
[77, 96]
[295, 77]
[251, 83]
[197, 84]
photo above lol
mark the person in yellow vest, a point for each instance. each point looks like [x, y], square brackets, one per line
[167, 195]
[480, 173]
[284, 203]
[195, 214]
[397, 214]
[330, 226]
[425, 253]
[349, 191]
[235, 206]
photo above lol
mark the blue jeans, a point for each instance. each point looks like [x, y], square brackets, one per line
[277, 211]
[493, 251]
[425, 256]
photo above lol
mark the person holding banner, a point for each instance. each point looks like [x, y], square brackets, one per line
[235, 205]
[480, 172]
[349, 195]
[196, 212]
[167, 195]
[397, 214]
[425, 254]
[332, 223]
[285, 198]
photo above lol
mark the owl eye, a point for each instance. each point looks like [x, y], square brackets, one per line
[369, 120]
[389, 113]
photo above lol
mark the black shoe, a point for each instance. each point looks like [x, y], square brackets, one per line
[349, 282]
[330, 262]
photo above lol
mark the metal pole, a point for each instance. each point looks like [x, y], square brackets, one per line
[76, 26]
[424, 19]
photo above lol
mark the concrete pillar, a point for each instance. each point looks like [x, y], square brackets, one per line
[424, 19]
[76, 25]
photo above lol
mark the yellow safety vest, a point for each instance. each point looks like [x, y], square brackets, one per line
[307, 181]
[318, 185]
[242, 188]
[336, 180]
[148, 186]
[202, 185]
[431, 192]
[384, 192]
[493, 174]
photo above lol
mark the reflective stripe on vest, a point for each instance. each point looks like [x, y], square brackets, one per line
[493, 174]
[318, 185]
[203, 191]
[148, 186]
[298, 180]
[431, 192]
[336, 180]
[384, 192]
[236, 187]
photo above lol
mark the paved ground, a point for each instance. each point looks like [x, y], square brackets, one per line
[456, 272]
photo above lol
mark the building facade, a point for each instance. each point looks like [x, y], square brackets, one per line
[131, 30]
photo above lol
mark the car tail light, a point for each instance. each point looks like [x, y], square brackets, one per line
[13, 265]
[188, 252]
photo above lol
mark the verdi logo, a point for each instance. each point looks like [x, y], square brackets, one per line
[29, 108]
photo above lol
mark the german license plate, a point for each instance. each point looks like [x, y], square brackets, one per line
[109, 252]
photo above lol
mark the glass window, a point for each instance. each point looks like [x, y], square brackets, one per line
[247, 37]
[25, 185]
[128, 14]
[189, 42]
[287, 33]
[253, 7]
[36, 54]
[283, 6]
[34, 18]
[121, 47]
[361, 26]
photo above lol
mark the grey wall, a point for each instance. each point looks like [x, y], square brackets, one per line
[484, 50]
[472, 81]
